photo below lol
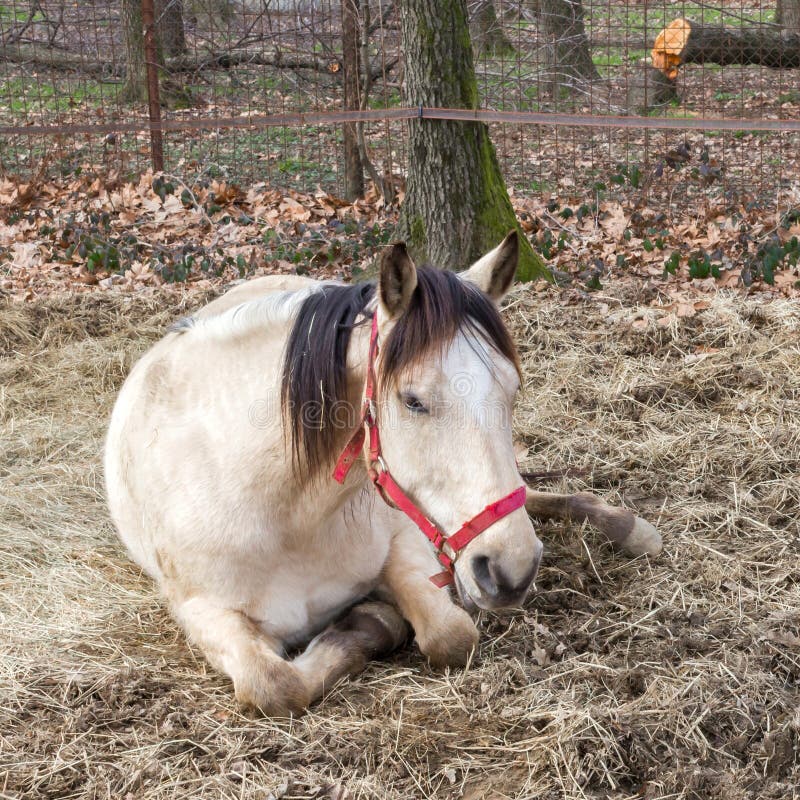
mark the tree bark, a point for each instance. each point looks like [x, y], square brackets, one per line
[487, 32]
[456, 206]
[353, 170]
[169, 26]
[788, 16]
[136, 77]
[569, 58]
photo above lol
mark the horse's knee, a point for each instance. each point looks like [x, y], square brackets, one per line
[271, 686]
[451, 641]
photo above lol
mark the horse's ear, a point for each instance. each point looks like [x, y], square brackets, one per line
[494, 273]
[398, 279]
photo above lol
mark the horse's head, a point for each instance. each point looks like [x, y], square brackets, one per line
[447, 378]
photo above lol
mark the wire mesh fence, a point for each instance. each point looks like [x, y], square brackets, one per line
[237, 81]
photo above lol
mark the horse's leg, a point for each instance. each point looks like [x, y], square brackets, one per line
[445, 633]
[369, 630]
[235, 645]
[620, 525]
[263, 679]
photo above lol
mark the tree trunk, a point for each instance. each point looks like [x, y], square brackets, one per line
[487, 32]
[456, 206]
[215, 11]
[169, 25]
[788, 16]
[135, 89]
[568, 55]
[353, 171]
[648, 90]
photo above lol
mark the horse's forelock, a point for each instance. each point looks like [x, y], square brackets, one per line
[314, 382]
[442, 306]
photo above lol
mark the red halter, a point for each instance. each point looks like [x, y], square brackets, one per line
[447, 547]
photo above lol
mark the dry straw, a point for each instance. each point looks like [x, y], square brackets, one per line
[668, 679]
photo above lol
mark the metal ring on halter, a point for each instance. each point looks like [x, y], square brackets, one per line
[448, 551]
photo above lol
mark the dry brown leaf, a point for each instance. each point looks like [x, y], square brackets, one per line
[614, 220]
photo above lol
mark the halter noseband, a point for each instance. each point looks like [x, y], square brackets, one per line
[447, 547]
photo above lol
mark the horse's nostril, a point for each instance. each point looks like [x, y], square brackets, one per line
[495, 584]
[482, 574]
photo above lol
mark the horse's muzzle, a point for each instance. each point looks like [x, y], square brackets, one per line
[495, 588]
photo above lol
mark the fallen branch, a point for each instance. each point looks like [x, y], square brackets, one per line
[46, 57]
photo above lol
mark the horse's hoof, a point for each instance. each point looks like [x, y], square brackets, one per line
[643, 539]
[385, 630]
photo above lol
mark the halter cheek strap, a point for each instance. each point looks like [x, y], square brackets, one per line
[447, 547]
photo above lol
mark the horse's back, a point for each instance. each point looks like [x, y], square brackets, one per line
[192, 383]
[253, 290]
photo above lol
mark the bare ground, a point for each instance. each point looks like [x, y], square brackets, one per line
[676, 678]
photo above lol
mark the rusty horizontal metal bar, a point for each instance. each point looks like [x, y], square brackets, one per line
[143, 125]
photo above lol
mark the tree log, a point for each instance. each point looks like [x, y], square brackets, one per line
[763, 46]
[709, 44]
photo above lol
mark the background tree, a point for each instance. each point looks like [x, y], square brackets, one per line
[456, 205]
[136, 76]
[353, 170]
[486, 29]
[787, 15]
[170, 41]
[169, 27]
[569, 58]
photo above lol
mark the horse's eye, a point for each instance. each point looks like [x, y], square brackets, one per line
[413, 403]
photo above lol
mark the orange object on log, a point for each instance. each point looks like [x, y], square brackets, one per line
[669, 46]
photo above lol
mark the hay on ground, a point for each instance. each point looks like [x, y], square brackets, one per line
[673, 678]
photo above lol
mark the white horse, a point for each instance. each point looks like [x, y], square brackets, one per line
[218, 469]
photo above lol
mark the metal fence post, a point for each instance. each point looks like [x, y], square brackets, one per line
[154, 101]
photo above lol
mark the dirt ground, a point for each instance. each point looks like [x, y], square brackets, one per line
[671, 678]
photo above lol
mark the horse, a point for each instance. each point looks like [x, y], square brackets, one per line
[219, 460]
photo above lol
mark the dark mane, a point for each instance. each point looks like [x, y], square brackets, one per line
[314, 391]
